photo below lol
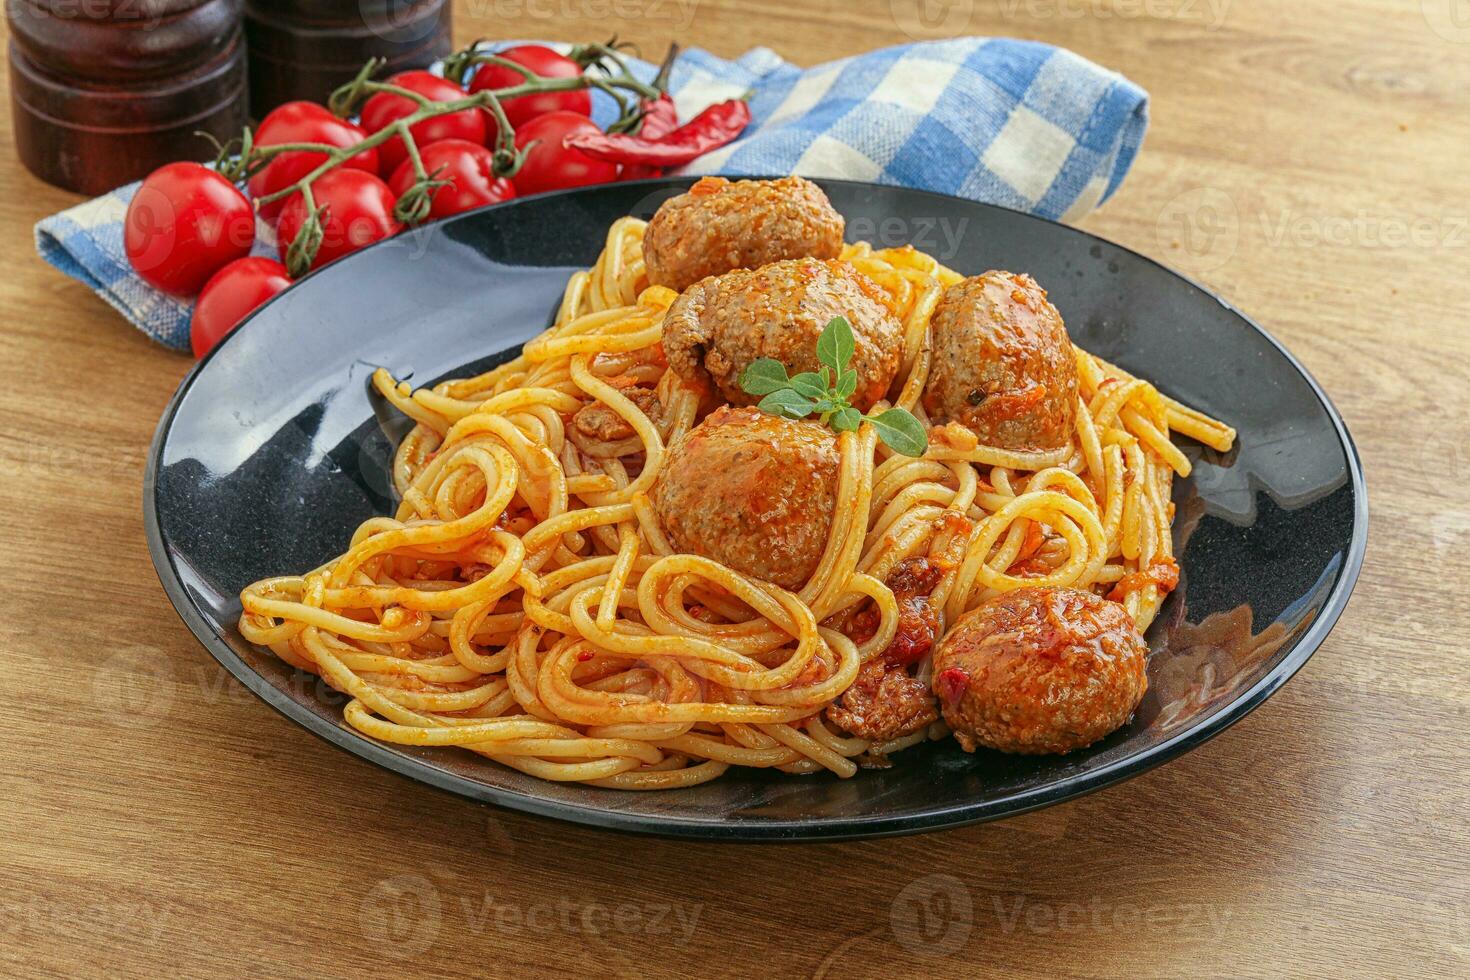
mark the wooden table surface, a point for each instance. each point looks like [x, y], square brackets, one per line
[1307, 159]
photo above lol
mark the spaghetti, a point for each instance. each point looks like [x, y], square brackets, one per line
[523, 602]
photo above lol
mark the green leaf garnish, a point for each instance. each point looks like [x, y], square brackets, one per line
[764, 376]
[810, 384]
[847, 383]
[845, 419]
[836, 345]
[826, 393]
[900, 432]
[789, 403]
[826, 405]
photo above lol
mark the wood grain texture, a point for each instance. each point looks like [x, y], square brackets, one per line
[1306, 159]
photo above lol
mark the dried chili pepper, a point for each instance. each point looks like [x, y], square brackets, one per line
[711, 129]
[659, 117]
[659, 120]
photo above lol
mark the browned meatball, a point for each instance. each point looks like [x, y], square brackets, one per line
[1040, 670]
[752, 491]
[717, 226]
[718, 326]
[1003, 366]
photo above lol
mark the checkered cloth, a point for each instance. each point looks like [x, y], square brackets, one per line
[1016, 123]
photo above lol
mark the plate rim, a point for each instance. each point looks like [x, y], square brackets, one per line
[957, 815]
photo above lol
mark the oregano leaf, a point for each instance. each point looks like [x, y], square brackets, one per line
[901, 432]
[810, 384]
[835, 346]
[845, 419]
[788, 403]
[763, 376]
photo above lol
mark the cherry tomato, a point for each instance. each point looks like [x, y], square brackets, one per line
[183, 224]
[358, 210]
[303, 122]
[231, 294]
[385, 108]
[550, 166]
[469, 166]
[545, 63]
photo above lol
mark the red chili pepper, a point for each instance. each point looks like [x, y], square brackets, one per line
[711, 129]
[659, 117]
[659, 120]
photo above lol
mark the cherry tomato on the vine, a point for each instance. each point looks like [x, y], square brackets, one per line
[545, 63]
[303, 122]
[470, 169]
[550, 166]
[183, 224]
[231, 294]
[385, 108]
[357, 210]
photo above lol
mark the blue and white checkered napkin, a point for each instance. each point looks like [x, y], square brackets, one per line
[1015, 123]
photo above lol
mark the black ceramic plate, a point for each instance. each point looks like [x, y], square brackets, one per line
[274, 449]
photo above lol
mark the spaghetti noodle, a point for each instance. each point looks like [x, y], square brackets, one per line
[523, 602]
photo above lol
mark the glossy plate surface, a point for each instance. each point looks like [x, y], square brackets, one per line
[274, 449]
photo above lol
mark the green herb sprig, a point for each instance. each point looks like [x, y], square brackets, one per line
[826, 392]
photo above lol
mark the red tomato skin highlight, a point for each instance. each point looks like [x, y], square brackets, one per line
[551, 166]
[183, 224]
[471, 168]
[359, 211]
[232, 294]
[545, 63]
[303, 122]
[385, 108]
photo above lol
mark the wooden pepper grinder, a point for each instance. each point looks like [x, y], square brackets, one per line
[104, 92]
[303, 49]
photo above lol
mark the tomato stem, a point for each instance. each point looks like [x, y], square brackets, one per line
[303, 248]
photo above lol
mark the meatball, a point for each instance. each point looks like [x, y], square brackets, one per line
[752, 491]
[1040, 670]
[718, 226]
[1003, 366]
[718, 326]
